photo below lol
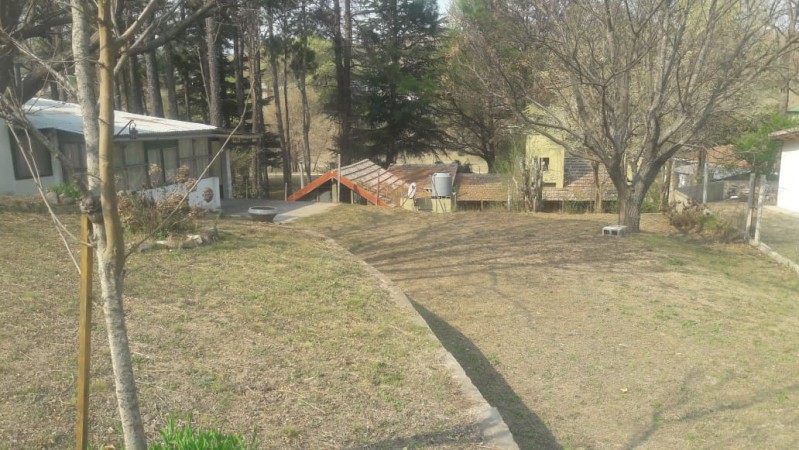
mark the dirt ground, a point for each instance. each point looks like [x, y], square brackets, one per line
[583, 341]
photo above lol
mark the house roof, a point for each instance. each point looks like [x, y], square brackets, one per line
[422, 175]
[372, 182]
[62, 116]
[578, 182]
[488, 187]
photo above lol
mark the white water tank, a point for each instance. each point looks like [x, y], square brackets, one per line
[442, 185]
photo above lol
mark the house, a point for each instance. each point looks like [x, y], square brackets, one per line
[568, 178]
[788, 184]
[149, 151]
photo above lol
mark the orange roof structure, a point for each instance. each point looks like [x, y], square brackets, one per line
[365, 178]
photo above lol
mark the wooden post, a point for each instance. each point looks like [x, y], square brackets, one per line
[761, 199]
[84, 332]
[338, 176]
[750, 201]
[704, 180]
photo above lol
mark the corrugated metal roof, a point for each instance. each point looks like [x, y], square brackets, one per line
[51, 114]
[422, 175]
[376, 180]
[488, 187]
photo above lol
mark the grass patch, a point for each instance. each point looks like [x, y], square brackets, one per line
[268, 331]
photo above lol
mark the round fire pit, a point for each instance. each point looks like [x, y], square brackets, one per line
[262, 213]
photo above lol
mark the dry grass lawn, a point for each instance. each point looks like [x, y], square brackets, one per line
[652, 341]
[268, 331]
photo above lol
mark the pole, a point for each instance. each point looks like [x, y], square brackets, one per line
[704, 180]
[750, 201]
[338, 193]
[84, 333]
[761, 199]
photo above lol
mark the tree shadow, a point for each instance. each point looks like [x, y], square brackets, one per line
[527, 428]
[456, 436]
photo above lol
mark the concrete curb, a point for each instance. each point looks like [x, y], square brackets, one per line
[493, 428]
[777, 257]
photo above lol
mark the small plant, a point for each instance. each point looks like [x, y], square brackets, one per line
[65, 190]
[189, 438]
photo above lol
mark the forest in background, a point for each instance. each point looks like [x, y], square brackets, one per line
[390, 79]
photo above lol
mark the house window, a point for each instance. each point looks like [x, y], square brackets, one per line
[545, 164]
[164, 155]
[193, 153]
[76, 154]
[31, 147]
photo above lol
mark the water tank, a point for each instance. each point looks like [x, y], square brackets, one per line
[442, 184]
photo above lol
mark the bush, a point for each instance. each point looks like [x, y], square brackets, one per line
[142, 215]
[66, 190]
[188, 438]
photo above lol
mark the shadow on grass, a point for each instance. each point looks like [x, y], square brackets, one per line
[462, 436]
[527, 428]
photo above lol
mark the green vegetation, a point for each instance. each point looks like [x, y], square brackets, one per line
[189, 438]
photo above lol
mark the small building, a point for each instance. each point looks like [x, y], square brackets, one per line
[149, 151]
[568, 179]
[788, 184]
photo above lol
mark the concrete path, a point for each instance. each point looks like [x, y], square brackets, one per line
[286, 211]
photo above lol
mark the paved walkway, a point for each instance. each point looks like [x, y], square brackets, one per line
[286, 211]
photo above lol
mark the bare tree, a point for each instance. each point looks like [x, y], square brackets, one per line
[630, 83]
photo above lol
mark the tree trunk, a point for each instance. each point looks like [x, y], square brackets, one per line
[153, 84]
[186, 79]
[342, 46]
[665, 190]
[306, 110]
[238, 59]
[169, 80]
[630, 208]
[278, 113]
[213, 82]
[598, 191]
[286, 86]
[134, 87]
[260, 178]
[102, 206]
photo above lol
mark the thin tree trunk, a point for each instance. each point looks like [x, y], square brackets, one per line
[303, 73]
[598, 191]
[278, 113]
[153, 84]
[259, 175]
[169, 81]
[102, 206]
[186, 79]
[238, 59]
[665, 190]
[286, 84]
[213, 80]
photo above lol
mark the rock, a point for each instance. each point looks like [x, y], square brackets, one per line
[51, 197]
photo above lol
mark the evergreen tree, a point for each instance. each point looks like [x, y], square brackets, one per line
[397, 85]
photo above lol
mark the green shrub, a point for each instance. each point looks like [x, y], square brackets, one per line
[188, 438]
[67, 190]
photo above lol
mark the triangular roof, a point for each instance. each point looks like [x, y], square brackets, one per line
[367, 179]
